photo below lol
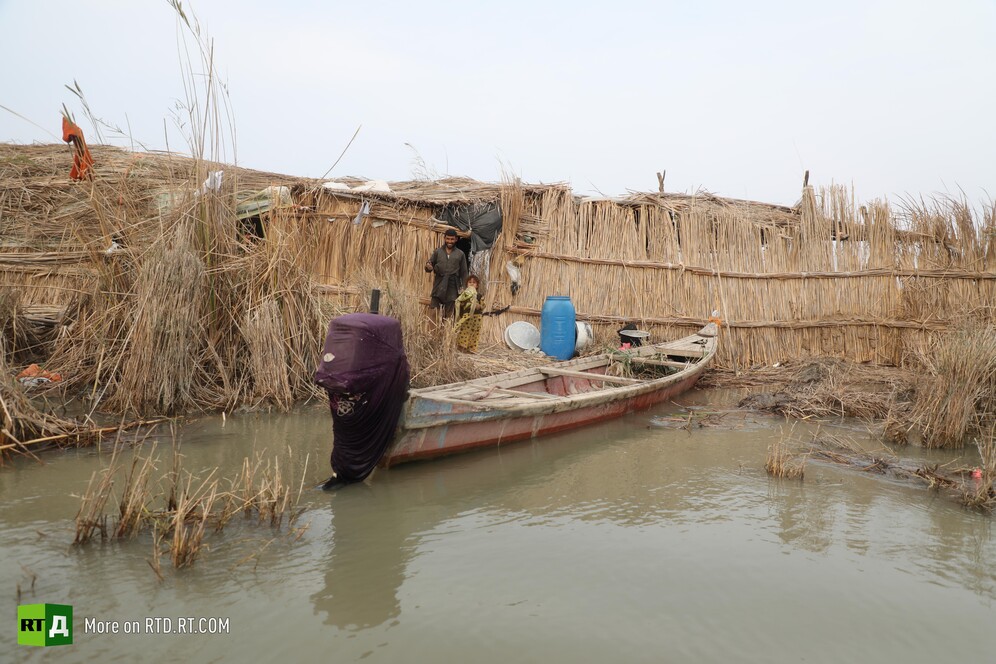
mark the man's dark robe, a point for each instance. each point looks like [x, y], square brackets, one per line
[449, 274]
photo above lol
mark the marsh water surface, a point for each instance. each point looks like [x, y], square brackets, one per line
[622, 542]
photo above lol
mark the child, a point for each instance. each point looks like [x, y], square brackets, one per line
[468, 314]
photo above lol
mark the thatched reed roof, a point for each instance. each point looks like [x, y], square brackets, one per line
[41, 208]
[34, 182]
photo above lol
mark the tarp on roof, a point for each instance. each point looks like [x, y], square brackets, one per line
[483, 220]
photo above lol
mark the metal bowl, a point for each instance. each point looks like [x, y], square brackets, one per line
[584, 336]
[521, 335]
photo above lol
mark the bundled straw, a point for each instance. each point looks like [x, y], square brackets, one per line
[166, 340]
[960, 396]
[265, 334]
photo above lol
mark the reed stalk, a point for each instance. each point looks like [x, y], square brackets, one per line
[135, 497]
[91, 518]
[783, 461]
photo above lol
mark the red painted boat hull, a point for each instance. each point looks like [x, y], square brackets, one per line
[451, 438]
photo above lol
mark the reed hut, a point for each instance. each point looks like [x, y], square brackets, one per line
[229, 279]
[823, 278]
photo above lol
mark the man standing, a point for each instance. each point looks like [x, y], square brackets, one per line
[449, 267]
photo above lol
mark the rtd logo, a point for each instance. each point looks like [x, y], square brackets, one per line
[45, 625]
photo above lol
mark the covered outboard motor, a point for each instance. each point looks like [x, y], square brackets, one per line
[632, 336]
[365, 372]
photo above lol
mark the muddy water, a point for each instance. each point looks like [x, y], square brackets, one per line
[622, 542]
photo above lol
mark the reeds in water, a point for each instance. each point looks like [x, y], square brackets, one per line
[91, 517]
[182, 508]
[980, 492]
[194, 509]
[263, 491]
[785, 462]
[134, 495]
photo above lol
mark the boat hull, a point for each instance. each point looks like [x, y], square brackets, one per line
[464, 431]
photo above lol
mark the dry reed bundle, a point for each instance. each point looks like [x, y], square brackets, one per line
[88, 345]
[162, 352]
[284, 323]
[21, 340]
[960, 396]
[160, 328]
[512, 203]
[8, 316]
[265, 334]
[162, 331]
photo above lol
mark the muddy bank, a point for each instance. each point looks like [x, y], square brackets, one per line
[827, 387]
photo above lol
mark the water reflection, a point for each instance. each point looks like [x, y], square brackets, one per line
[366, 561]
[804, 518]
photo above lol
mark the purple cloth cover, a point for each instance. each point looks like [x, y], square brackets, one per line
[365, 372]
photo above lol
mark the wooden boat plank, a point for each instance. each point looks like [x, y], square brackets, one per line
[504, 395]
[590, 376]
[510, 380]
[661, 363]
[523, 393]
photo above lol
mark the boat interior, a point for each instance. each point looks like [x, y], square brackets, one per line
[597, 373]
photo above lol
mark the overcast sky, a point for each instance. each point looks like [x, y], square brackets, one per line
[738, 98]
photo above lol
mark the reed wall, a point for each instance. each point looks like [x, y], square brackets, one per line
[828, 277]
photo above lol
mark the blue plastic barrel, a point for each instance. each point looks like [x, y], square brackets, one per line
[557, 328]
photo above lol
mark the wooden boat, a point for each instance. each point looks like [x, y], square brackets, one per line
[533, 402]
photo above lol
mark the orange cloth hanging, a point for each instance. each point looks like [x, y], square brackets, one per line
[82, 161]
